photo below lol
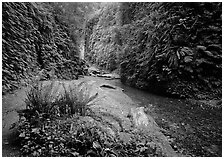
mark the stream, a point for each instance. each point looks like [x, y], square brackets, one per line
[192, 129]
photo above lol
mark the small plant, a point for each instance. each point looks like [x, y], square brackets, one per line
[49, 100]
[43, 99]
[77, 99]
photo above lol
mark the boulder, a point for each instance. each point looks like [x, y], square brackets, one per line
[93, 71]
[110, 76]
[108, 86]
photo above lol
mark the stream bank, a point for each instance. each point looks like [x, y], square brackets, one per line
[110, 101]
[192, 129]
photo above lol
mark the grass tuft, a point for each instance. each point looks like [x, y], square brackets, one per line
[43, 99]
[77, 99]
[49, 100]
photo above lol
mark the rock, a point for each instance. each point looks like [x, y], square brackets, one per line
[81, 76]
[110, 76]
[93, 71]
[108, 86]
[139, 118]
[85, 70]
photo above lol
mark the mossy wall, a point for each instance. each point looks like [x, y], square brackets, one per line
[34, 39]
[173, 48]
[103, 38]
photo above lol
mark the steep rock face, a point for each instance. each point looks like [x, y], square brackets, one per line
[103, 39]
[33, 38]
[174, 48]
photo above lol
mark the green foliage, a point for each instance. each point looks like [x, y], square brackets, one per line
[43, 99]
[74, 14]
[68, 137]
[103, 39]
[17, 49]
[34, 39]
[47, 100]
[157, 44]
[169, 44]
[78, 99]
[76, 137]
